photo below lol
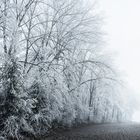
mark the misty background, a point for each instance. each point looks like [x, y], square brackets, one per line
[122, 20]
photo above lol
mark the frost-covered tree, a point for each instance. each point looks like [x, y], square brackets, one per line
[52, 73]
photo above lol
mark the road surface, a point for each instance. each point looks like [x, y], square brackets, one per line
[121, 131]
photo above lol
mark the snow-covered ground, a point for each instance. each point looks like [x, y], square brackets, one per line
[121, 131]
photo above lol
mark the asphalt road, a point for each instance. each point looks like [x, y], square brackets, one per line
[119, 131]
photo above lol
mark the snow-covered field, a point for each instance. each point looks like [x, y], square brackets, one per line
[122, 131]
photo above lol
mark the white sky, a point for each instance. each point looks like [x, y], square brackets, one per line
[122, 18]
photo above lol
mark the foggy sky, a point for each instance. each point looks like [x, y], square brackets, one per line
[122, 19]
